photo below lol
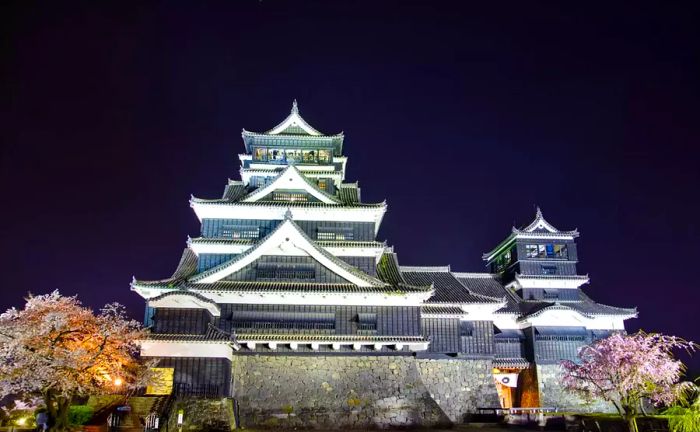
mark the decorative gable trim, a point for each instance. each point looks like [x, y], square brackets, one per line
[294, 120]
[288, 239]
[541, 228]
[540, 223]
[290, 178]
[184, 300]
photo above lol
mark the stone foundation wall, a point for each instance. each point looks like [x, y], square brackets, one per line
[358, 392]
[459, 387]
[552, 394]
[210, 415]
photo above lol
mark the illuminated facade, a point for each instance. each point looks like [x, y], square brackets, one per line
[288, 264]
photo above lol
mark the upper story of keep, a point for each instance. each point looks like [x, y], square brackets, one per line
[291, 168]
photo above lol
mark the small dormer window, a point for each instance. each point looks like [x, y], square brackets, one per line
[322, 184]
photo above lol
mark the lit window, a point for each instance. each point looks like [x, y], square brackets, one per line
[326, 233]
[293, 155]
[547, 251]
[240, 232]
[558, 251]
[309, 156]
[283, 271]
[275, 154]
[324, 156]
[290, 196]
[322, 184]
[260, 154]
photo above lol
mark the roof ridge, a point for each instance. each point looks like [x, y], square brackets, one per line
[433, 269]
[475, 275]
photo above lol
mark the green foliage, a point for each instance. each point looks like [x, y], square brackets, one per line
[685, 416]
[287, 409]
[80, 414]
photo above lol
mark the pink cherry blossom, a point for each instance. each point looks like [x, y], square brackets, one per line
[625, 369]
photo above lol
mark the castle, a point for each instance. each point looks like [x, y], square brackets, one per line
[287, 302]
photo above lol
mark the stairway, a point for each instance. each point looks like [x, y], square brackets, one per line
[141, 407]
[131, 421]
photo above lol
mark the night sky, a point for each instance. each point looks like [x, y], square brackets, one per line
[464, 118]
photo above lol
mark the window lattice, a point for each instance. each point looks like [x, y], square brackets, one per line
[290, 196]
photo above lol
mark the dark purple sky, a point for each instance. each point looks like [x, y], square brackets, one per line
[463, 117]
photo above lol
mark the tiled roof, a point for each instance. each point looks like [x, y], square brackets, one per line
[351, 244]
[447, 288]
[441, 310]
[183, 292]
[349, 193]
[585, 307]
[187, 265]
[489, 285]
[511, 363]
[222, 241]
[292, 204]
[234, 191]
[292, 287]
[278, 170]
[324, 243]
[213, 334]
[388, 271]
[553, 277]
[589, 307]
[274, 184]
[337, 261]
[539, 226]
[329, 338]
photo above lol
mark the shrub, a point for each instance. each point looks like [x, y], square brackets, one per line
[685, 416]
[80, 414]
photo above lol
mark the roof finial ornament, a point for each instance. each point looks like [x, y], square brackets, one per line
[295, 107]
[288, 214]
[539, 212]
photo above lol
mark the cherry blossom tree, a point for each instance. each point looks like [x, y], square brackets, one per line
[56, 349]
[625, 369]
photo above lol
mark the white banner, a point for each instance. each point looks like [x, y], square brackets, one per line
[507, 379]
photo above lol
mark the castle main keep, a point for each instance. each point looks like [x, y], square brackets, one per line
[287, 302]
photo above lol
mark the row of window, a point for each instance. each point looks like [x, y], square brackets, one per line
[290, 196]
[240, 232]
[335, 234]
[264, 154]
[248, 232]
[366, 323]
[285, 271]
[547, 251]
[284, 327]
